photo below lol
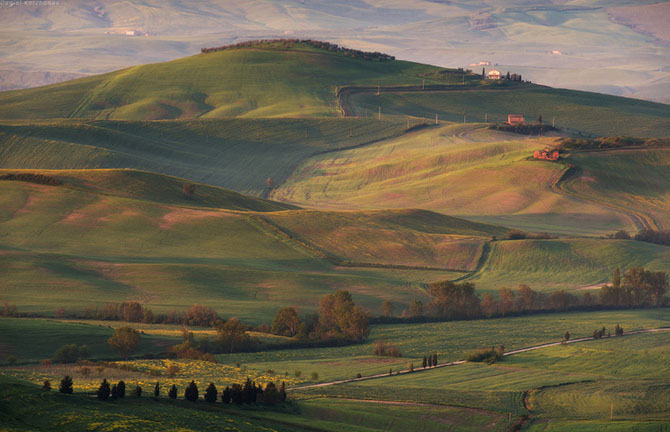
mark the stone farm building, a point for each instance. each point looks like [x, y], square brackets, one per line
[515, 119]
[494, 74]
[546, 154]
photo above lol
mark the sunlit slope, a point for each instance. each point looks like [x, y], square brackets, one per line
[394, 238]
[233, 83]
[117, 234]
[457, 170]
[565, 263]
[589, 113]
[636, 181]
[240, 154]
[148, 186]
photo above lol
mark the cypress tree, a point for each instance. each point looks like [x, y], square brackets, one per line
[65, 385]
[282, 391]
[103, 391]
[47, 385]
[121, 387]
[225, 396]
[211, 394]
[434, 359]
[138, 391]
[172, 394]
[115, 392]
[157, 390]
[191, 392]
[425, 362]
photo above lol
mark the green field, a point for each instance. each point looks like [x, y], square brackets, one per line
[635, 181]
[240, 154]
[41, 338]
[576, 382]
[630, 370]
[565, 263]
[589, 113]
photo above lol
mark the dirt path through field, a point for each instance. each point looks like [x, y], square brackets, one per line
[513, 352]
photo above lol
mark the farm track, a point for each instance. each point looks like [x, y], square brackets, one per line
[453, 363]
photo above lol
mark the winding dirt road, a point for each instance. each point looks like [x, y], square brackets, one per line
[513, 352]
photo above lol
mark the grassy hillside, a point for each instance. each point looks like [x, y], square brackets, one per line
[391, 237]
[117, 234]
[246, 82]
[147, 186]
[240, 154]
[459, 170]
[565, 263]
[41, 338]
[589, 113]
[635, 181]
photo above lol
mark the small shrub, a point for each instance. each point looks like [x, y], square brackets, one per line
[104, 391]
[191, 392]
[138, 391]
[488, 355]
[211, 394]
[46, 386]
[172, 394]
[65, 385]
[297, 373]
[314, 376]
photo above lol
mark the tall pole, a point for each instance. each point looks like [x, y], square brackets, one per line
[464, 121]
[378, 90]
[553, 122]
[380, 113]
[611, 410]
[435, 118]
[486, 117]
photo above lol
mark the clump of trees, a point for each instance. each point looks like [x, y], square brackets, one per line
[32, 178]
[487, 355]
[636, 287]
[661, 237]
[188, 189]
[294, 43]
[339, 319]
[520, 235]
[611, 142]
[70, 353]
[130, 311]
[385, 349]
[124, 340]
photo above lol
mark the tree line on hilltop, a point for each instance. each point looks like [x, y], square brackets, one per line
[290, 43]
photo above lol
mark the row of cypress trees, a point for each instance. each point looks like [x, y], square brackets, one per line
[246, 393]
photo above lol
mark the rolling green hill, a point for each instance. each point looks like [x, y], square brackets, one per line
[272, 82]
[467, 171]
[112, 235]
[278, 80]
[240, 154]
